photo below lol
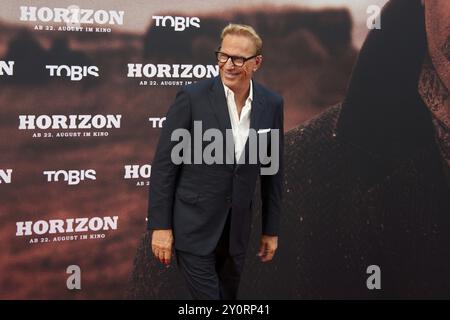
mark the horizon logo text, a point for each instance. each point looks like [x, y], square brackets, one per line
[182, 71]
[40, 227]
[85, 121]
[73, 15]
[136, 171]
[6, 176]
[6, 68]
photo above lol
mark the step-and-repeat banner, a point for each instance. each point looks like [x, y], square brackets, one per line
[84, 88]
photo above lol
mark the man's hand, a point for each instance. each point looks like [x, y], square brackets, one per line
[162, 241]
[267, 248]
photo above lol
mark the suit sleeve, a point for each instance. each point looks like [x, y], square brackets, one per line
[272, 185]
[164, 172]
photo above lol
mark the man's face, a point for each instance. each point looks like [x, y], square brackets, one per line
[238, 78]
[437, 20]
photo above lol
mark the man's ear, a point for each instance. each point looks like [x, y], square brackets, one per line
[259, 60]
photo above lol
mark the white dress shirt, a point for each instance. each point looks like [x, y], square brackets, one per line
[240, 125]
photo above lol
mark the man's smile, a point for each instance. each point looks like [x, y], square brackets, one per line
[231, 74]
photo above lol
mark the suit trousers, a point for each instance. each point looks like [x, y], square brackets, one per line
[215, 276]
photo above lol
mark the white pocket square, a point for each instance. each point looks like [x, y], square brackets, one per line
[263, 130]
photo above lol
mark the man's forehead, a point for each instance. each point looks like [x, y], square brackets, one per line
[237, 42]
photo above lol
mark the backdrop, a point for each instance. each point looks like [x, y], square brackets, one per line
[84, 89]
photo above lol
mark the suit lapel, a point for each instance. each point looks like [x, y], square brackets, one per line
[255, 118]
[220, 108]
[219, 105]
[257, 107]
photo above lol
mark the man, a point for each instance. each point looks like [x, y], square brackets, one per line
[203, 211]
[368, 179]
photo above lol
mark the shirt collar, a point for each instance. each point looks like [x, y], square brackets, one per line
[228, 91]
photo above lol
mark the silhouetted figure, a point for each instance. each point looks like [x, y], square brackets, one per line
[29, 57]
[367, 181]
[61, 54]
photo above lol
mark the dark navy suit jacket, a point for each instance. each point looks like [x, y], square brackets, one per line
[194, 199]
